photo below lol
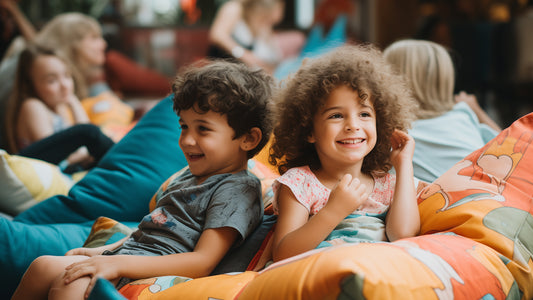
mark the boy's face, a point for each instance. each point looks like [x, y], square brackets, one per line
[207, 142]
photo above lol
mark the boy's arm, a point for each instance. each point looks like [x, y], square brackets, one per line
[210, 249]
[403, 218]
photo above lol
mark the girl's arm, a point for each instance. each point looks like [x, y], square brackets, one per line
[37, 120]
[210, 249]
[403, 218]
[223, 24]
[295, 233]
[78, 112]
[221, 31]
[482, 116]
[25, 27]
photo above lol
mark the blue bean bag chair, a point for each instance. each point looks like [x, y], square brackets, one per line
[119, 187]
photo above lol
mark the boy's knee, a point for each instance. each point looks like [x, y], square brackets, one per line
[42, 265]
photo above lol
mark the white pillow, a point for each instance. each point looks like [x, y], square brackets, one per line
[25, 181]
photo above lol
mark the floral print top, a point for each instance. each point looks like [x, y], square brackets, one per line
[313, 195]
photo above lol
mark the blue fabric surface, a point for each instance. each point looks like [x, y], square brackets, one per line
[126, 178]
[22, 243]
[104, 290]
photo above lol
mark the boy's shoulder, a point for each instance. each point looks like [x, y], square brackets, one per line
[242, 177]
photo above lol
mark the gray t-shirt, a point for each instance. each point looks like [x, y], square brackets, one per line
[184, 210]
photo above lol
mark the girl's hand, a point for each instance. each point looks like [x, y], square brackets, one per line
[94, 267]
[347, 196]
[403, 148]
[469, 99]
[84, 251]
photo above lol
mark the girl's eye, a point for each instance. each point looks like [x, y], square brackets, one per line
[335, 116]
[183, 126]
[365, 115]
[202, 128]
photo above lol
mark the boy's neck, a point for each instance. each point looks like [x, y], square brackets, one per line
[244, 166]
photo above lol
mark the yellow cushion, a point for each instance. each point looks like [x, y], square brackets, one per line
[25, 181]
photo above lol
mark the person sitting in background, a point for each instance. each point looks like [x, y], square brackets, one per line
[44, 103]
[448, 127]
[243, 30]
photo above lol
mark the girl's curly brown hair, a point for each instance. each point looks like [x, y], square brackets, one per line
[360, 67]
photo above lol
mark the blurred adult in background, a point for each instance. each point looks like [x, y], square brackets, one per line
[244, 30]
[448, 127]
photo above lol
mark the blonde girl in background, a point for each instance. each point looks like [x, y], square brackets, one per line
[448, 126]
[341, 127]
[79, 38]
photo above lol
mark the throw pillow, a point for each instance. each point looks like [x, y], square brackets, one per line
[25, 181]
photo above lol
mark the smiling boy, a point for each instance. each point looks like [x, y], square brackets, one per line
[225, 119]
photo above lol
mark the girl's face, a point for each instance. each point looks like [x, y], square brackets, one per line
[91, 49]
[52, 80]
[344, 129]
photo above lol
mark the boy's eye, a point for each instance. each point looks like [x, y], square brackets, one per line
[365, 115]
[183, 126]
[203, 128]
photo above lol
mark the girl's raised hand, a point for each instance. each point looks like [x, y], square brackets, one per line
[347, 196]
[403, 148]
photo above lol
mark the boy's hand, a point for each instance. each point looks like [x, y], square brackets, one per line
[403, 148]
[94, 267]
[347, 196]
[84, 251]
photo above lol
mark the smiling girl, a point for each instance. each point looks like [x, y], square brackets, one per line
[341, 127]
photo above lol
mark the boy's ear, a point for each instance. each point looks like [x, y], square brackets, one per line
[311, 139]
[251, 139]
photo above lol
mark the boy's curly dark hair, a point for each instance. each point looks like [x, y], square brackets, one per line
[242, 94]
[362, 68]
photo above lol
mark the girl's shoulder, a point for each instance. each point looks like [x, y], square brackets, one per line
[298, 179]
[298, 173]
[32, 106]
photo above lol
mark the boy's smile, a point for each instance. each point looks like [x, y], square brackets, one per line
[208, 143]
